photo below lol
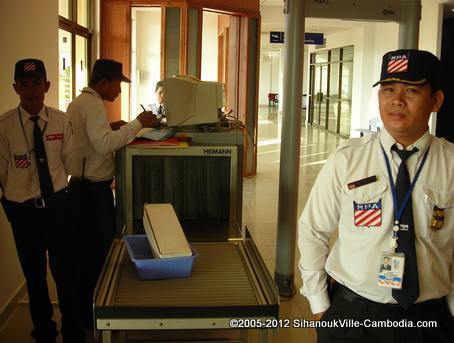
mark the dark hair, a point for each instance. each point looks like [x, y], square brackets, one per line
[159, 84]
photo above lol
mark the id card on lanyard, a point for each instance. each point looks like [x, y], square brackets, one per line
[392, 264]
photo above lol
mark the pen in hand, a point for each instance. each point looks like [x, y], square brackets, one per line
[143, 107]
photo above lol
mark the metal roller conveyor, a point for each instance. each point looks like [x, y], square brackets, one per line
[229, 280]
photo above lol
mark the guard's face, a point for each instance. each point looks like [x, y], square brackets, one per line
[31, 91]
[159, 95]
[405, 109]
[111, 90]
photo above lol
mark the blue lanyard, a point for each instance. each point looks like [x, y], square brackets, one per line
[399, 211]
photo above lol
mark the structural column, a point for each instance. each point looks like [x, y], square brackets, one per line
[294, 11]
[409, 25]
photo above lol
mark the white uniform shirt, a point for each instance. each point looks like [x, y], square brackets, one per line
[355, 257]
[18, 170]
[94, 140]
[155, 109]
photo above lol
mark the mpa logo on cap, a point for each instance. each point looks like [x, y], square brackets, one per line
[29, 68]
[398, 63]
[414, 67]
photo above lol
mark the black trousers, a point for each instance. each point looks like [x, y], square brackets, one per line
[37, 231]
[93, 205]
[344, 308]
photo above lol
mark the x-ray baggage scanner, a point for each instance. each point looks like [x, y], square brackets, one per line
[229, 280]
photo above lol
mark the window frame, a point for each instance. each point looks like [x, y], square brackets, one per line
[71, 26]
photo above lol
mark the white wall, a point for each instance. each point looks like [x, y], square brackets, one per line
[210, 47]
[29, 28]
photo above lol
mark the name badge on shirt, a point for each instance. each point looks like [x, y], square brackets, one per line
[391, 271]
[362, 182]
[22, 161]
[55, 137]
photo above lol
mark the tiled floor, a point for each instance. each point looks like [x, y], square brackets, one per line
[260, 203]
[259, 214]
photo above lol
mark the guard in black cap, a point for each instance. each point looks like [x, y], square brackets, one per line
[108, 69]
[93, 169]
[381, 193]
[30, 67]
[409, 92]
[35, 150]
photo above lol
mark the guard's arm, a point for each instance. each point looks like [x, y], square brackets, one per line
[318, 222]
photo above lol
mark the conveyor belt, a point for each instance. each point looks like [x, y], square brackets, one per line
[228, 280]
[218, 279]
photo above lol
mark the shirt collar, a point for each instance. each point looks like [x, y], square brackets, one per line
[91, 91]
[42, 114]
[388, 141]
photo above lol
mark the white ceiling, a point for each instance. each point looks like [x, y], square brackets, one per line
[273, 20]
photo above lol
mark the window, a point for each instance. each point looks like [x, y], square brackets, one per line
[145, 56]
[74, 43]
[331, 89]
[220, 53]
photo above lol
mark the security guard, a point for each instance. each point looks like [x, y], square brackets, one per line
[158, 106]
[35, 147]
[389, 195]
[93, 169]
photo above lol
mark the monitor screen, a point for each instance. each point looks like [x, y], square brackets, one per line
[189, 101]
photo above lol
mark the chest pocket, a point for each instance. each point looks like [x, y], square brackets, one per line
[441, 219]
[366, 204]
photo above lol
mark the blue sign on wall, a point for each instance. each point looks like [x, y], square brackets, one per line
[313, 38]
[309, 38]
[276, 37]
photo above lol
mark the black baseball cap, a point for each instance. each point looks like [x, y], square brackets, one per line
[29, 67]
[414, 67]
[108, 69]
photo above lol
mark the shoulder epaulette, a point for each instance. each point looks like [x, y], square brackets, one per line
[446, 144]
[354, 142]
[7, 114]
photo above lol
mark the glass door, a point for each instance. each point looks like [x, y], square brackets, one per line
[333, 98]
[317, 96]
[323, 95]
[331, 89]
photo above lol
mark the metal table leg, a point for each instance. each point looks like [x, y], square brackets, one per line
[107, 336]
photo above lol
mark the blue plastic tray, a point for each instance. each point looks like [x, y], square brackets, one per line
[150, 268]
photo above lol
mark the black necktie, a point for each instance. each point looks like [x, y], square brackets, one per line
[406, 241]
[160, 110]
[45, 181]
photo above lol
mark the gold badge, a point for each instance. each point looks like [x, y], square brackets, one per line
[438, 217]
